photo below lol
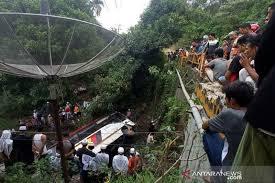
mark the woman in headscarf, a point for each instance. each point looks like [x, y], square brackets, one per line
[6, 147]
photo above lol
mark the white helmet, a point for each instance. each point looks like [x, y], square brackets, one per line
[120, 150]
[84, 142]
[132, 151]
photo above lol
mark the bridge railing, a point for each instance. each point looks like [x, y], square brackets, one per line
[196, 59]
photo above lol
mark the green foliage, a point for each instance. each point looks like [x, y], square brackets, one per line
[43, 173]
[143, 177]
[174, 110]
[8, 123]
[165, 87]
[112, 86]
[220, 17]
[20, 96]
[159, 8]
[160, 27]
[172, 176]
[17, 95]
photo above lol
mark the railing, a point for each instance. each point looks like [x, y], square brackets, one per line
[194, 108]
[211, 107]
[197, 59]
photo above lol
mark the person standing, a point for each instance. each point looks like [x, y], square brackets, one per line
[213, 44]
[39, 148]
[102, 162]
[85, 156]
[129, 113]
[6, 147]
[34, 114]
[68, 110]
[152, 128]
[132, 163]
[51, 122]
[255, 157]
[102, 158]
[77, 112]
[83, 150]
[169, 56]
[150, 139]
[47, 111]
[218, 65]
[120, 162]
[68, 146]
[22, 145]
[35, 119]
[139, 162]
[229, 122]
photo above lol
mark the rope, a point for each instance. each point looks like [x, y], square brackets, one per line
[194, 158]
[167, 171]
[180, 158]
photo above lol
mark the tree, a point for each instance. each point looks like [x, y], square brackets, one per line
[86, 42]
[97, 6]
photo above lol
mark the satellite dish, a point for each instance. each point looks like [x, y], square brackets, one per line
[43, 45]
[48, 46]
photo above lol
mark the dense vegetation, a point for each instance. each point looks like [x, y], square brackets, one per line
[138, 74]
[164, 22]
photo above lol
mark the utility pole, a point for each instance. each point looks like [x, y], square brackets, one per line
[45, 9]
[118, 28]
[54, 107]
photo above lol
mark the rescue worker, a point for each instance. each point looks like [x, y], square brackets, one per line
[132, 163]
[120, 162]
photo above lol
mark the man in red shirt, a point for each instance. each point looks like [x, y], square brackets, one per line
[132, 165]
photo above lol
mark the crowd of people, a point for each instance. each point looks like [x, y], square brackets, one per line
[26, 147]
[43, 118]
[98, 164]
[92, 166]
[179, 54]
[243, 133]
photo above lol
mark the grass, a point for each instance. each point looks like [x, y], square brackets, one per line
[6, 123]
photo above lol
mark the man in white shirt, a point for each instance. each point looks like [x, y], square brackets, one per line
[102, 162]
[120, 162]
[102, 158]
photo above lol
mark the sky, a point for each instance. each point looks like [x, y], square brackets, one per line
[125, 13]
